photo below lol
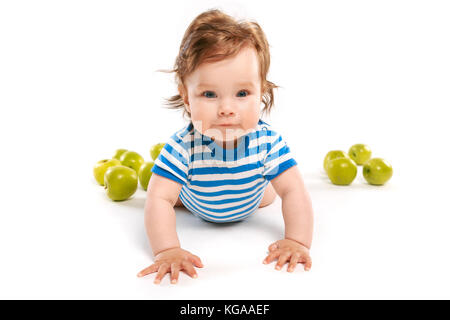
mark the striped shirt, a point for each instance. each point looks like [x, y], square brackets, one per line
[218, 184]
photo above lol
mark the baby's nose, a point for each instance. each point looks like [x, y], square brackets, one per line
[226, 110]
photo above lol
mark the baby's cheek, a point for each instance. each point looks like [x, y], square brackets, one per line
[201, 117]
[250, 117]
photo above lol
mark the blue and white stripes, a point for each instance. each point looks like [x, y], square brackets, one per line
[223, 185]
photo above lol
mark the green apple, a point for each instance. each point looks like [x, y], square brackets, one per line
[101, 167]
[155, 150]
[120, 182]
[145, 173]
[119, 152]
[359, 153]
[377, 171]
[132, 160]
[342, 171]
[333, 154]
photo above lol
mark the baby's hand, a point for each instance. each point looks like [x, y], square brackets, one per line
[173, 260]
[289, 250]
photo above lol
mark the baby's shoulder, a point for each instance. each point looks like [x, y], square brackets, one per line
[267, 130]
[262, 125]
[181, 140]
[184, 134]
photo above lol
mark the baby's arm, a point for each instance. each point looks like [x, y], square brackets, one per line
[296, 206]
[160, 223]
[298, 219]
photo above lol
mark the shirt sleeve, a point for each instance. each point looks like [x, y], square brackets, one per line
[278, 158]
[173, 161]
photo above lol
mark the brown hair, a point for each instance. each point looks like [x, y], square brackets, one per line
[213, 36]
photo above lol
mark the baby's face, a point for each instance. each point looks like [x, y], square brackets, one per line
[224, 97]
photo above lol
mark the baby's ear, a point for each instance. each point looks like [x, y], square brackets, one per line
[183, 93]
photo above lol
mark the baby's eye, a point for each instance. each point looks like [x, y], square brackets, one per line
[208, 94]
[242, 93]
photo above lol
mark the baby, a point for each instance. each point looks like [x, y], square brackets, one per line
[227, 162]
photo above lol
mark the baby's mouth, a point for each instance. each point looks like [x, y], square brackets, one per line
[227, 125]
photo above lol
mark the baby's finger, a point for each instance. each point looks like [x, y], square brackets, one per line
[153, 268]
[196, 261]
[161, 272]
[306, 260]
[189, 268]
[293, 262]
[273, 246]
[272, 256]
[282, 260]
[175, 270]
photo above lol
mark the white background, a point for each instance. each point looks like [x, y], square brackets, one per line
[78, 80]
